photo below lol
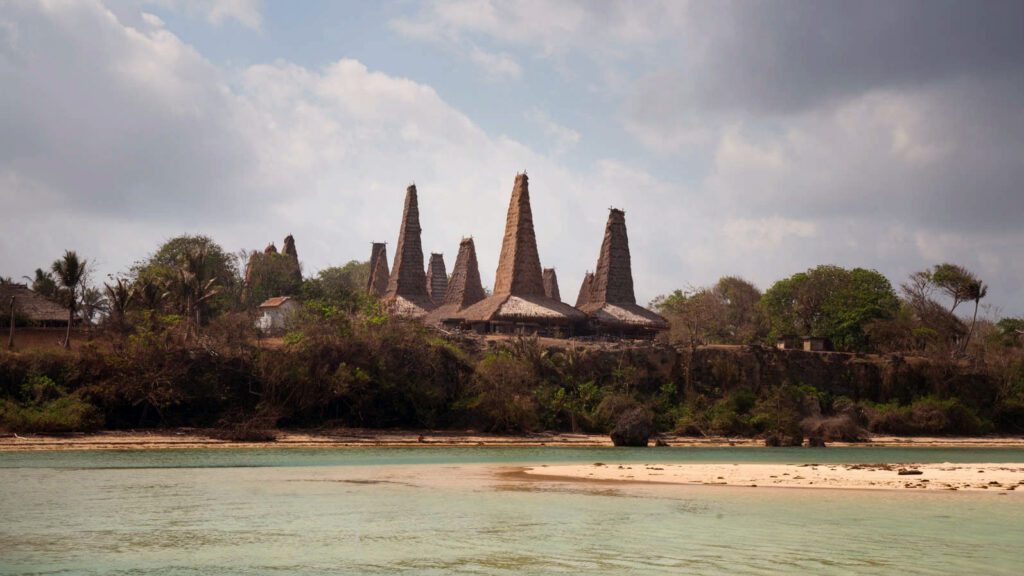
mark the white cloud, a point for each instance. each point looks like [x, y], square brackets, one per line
[561, 138]
[495, 65]
[246, 12]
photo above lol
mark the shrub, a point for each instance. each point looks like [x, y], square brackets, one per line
[64, 414]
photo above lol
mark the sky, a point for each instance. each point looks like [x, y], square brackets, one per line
[755, 139]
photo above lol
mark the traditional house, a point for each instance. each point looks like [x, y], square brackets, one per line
[815, 344]
[608, 298]
[275, 314]
[377, 283]
[519, 304]
[31, 308]
[464, 288]
[551, 284]
[407, 287]
[437, 279]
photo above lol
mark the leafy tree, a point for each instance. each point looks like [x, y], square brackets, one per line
[271, 274]
[727, 313]
[43, 283]
[119, 296]
[162, 268]
[958, 284]
[830, 302]
[192, 289]
[69, 271]
[343, 286]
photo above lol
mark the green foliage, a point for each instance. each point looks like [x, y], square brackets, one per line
[927, 415]
[830, 302]
[163, 268]
[45, 406]
[271, 275]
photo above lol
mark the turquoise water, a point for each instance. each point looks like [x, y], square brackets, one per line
[443, 511]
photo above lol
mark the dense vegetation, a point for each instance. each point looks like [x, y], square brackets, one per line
[176, 346]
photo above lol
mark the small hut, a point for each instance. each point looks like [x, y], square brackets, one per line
[407, 287]
[275, 314]
[437, 279]
[30, 308]
[519, 304]
[607, 297]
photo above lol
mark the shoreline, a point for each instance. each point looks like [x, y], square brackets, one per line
[190, 438]
[1002, 479]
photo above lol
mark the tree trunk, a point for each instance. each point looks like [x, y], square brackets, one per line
[973, 320]
[10, 337]
[67, 334]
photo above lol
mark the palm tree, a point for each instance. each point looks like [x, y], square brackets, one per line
[69, 272]
[976, 292]
[192, 288]
[119, 298]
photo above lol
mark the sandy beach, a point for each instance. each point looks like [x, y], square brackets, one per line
[186, 438]
[996, 478]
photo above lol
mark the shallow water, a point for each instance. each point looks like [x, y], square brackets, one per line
[441, 511]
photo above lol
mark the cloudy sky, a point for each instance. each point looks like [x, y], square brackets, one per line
[752, 139]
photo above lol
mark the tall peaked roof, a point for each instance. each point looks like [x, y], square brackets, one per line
[407, 276]
[289, 247]
[270, 249]
[465, 288]
[586, 290]
[437, 278]
[519, 270]
[377, 282]
[609, 299]
[519, 286]
[613, 279]
[551, 284]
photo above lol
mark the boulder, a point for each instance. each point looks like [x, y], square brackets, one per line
[634, 428]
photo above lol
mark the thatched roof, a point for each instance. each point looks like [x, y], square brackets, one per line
[519, 264]
[437, 279]
[407, 286]
[289, 247]
[270, 249]
[275, 302]
[30, 305]
[377, 283]
[464, 288]
[586, 290]
[610, 299]
[551, 284]
[519, 285]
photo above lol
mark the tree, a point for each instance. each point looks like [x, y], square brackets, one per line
[343, 286]
[193, 288]
[69, 272]
[43, 283]
[830, 302]
[119, 297]
[163, 266]
[957, 283]
[270, 274]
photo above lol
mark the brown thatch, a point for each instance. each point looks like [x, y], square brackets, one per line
[377, 283]
[519, 285]
[437, 279]
[519, 265]
[289, 250]
[289, 247]
[464, 288]
[610, 300]
[586, 291]
[270, 249]
[551, 284]
[407, 286]
[31, 306]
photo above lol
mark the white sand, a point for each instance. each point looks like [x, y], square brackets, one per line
[1008, 478]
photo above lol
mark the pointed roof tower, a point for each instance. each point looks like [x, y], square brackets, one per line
[586, 291]
[270, 249]
[407, 286]
[610, 300]
[437, 278]
[519, 270]
[289, 247]
[377, 283]
[519, 286]
[464, 288]
[551, 284]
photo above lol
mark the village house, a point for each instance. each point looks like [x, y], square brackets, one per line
[275, 314]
